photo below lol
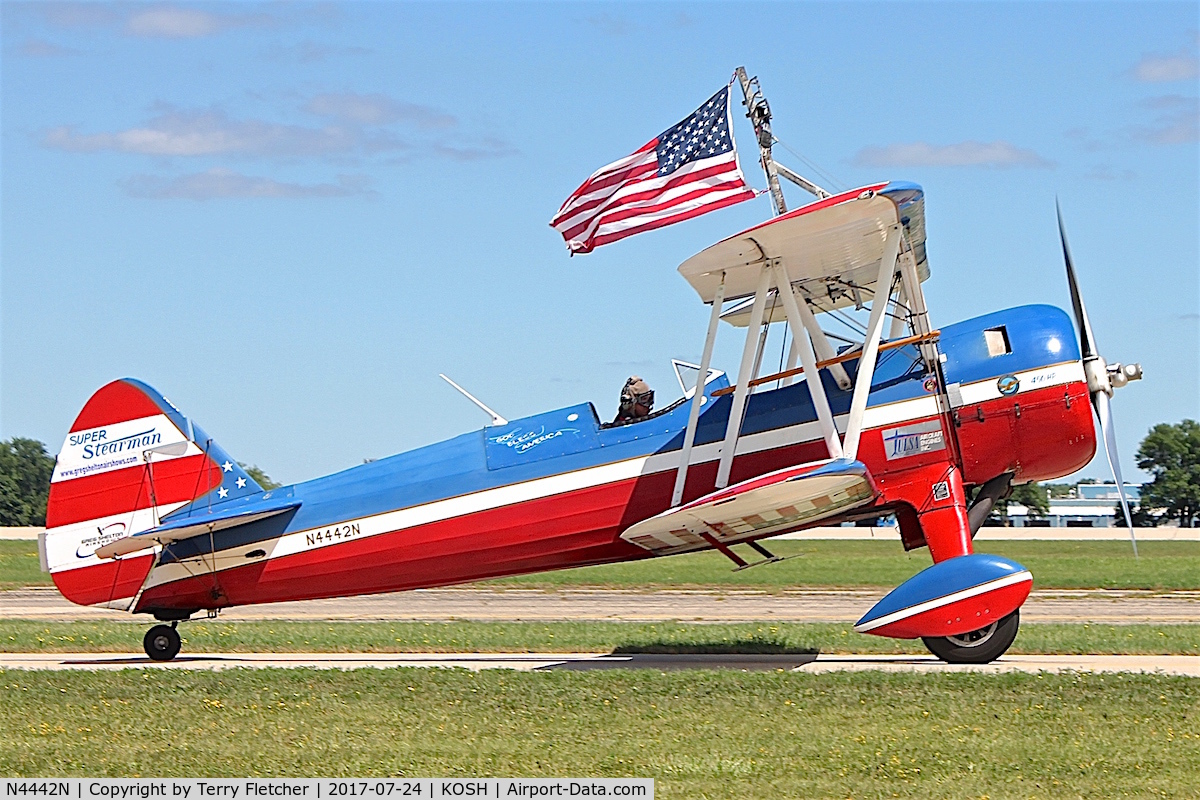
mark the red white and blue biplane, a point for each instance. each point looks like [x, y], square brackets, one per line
[148, 514]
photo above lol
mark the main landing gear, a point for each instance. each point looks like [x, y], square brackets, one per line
[162, 642]
[977, 647]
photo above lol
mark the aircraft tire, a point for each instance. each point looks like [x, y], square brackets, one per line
[162, 643]
[977, 647]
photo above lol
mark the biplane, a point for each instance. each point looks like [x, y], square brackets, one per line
[148, 514]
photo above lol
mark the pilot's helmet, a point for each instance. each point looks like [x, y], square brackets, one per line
[637, 398]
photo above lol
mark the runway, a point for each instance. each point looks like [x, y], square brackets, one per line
[526, 662]
[621, 605]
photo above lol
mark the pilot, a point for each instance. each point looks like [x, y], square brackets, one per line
[637, 399]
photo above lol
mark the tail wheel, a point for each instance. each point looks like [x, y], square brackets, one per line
[162, 643]
[977, 647]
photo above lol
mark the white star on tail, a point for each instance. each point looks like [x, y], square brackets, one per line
[222, 493]
[241, 483]
[227, 467]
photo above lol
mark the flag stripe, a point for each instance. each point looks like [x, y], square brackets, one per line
[671, 186]
[597, 195]
[693, 194]
[642, 156]
[651, 195]
[672, 213]
[605, 186]
[685, 171]
[712, 203]
[634, 195]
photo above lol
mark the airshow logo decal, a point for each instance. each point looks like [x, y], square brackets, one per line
[109, 533]
[910, 440]
[113, 447]
[1008, 385]
[524, 441]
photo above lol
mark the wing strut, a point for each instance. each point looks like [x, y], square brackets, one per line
[866, 364]
[816, 388]
[749, 352]
[820, 342]
[689, 436]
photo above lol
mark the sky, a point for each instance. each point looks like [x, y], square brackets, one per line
[289, 218]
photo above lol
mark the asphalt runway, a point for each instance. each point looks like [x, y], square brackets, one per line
[535, 605]
[579, 662]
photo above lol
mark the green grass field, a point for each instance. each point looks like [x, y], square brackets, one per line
[25, 636]
[818, 563]
[19, 565]
[699, 734]
[821, 563]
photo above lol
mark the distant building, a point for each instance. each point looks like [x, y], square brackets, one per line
[1088, 505]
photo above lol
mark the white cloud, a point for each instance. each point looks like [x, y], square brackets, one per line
[1182, 66]
[78, 15]
[208, 133]
[377, 109]
[1177, 126]
[485, 149]
[173, 23]
[220, 183]
[151, 21]
[358, 128]
[40, 48]
[1169, 102]
[963, 154]
[358, 125]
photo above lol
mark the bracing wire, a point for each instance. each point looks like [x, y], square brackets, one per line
[825, 176]
[848, 321]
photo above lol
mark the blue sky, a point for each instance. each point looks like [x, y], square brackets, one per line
[290, 218]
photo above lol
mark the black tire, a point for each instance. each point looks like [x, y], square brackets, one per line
[977, 647]
[162, 643]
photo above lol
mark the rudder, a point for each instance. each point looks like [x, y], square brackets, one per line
[129, 459]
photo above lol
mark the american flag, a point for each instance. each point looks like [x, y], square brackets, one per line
[687, 170]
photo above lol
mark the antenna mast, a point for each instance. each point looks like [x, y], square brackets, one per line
[496, 418]
[759, 114]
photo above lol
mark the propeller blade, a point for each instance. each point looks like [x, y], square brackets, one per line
[1104, 413]
[1087, 342]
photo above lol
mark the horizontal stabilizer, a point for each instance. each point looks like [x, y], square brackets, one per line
[198, 523]
[762, 506]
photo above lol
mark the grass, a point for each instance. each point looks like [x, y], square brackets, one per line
[824, 563]
[699, 734]
[829, 563]
[19, 565]
[26, 636]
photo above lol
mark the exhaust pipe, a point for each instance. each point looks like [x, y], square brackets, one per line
[998, 487]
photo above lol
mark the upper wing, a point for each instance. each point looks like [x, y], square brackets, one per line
[760, 506]
[195, 524]
[825, 247]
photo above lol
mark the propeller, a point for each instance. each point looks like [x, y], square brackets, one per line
[1102, 378]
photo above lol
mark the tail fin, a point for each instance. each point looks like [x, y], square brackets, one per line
[130, 458]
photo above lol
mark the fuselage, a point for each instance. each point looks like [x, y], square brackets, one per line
[556, 490]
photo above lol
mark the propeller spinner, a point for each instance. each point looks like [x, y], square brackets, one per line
[1102, 377]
